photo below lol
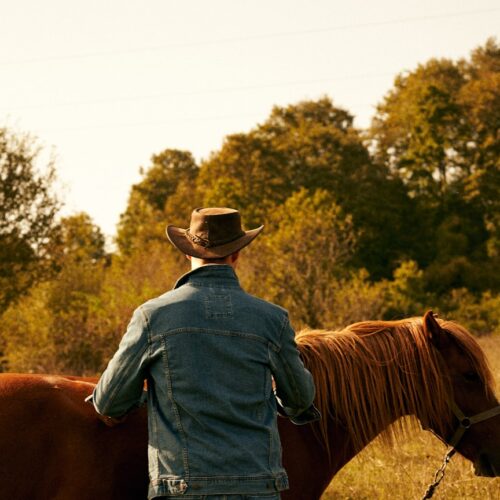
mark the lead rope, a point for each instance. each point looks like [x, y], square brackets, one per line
[439, 475]
[464, 424]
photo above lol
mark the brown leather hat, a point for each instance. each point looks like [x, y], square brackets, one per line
[212, 234]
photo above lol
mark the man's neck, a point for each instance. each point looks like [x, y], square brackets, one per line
[197, 263]
[230, 260]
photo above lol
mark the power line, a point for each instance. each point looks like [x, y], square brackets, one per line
[249, 38]
[220, 90]
[162, 122]
[145, 124]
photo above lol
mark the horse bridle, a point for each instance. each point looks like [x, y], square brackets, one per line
[467, 422]
[464, 423]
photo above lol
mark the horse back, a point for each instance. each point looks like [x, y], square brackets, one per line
[72, 454]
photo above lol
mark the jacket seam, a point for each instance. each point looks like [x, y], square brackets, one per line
[147, 323]
[293, 382]
[119, 385]
[226, 333]
[200, 284]
[253, 477]
[185, 457]
[289, 372]
[122, 380]
[284, 324]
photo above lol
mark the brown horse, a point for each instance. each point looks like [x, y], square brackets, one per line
[369, 375]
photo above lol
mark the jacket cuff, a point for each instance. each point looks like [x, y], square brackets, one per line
[142, 401]
[312, 414]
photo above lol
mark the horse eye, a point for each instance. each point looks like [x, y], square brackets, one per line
[471, 377]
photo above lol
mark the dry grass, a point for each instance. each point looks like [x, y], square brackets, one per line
[404, 473]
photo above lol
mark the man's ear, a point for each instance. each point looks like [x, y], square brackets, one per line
[188, 257]
[434, 332]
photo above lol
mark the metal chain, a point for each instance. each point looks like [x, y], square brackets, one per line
[439, 475]
[464, 424]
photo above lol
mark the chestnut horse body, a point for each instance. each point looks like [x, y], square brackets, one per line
[53, 445]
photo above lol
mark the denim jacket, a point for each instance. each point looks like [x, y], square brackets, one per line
[209, 352]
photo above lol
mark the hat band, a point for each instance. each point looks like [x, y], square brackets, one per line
[206, 243]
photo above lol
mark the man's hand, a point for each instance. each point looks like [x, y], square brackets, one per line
[109, 421]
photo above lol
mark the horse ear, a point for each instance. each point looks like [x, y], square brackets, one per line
[433, 330]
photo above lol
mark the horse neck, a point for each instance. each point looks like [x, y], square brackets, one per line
[366, 382]
[343, 448]
[309, 465]
[345, 443]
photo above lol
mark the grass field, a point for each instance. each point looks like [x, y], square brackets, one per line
[404, 472]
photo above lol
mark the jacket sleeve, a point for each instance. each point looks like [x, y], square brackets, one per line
[294, 383]
[120, 387]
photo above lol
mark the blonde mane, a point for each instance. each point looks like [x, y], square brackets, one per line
[373, 372]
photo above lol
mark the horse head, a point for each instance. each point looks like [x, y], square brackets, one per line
[473, 426]
[371, 374]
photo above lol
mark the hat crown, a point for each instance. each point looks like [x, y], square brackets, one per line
[211, 227]
[213, 233]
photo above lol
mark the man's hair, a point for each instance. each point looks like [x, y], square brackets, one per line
[215, 261]
[221, 260]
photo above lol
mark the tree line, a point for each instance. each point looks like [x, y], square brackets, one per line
[360, 224]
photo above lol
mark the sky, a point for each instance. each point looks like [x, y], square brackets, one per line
[105, 84]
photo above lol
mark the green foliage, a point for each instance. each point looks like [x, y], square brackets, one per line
[144, 219]
[481, 315]
[57, 327]
[317, 147]
[312, 145]
[437, 130]
[26, 329]
[384, 224]
[72, 296]
[405, 293]
[28, 208]
[417, 128]
[78, 240]
[307, 248]
[355, 298]
[130, 281]
[480, 99]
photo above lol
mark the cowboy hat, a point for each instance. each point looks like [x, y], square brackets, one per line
[213, 233]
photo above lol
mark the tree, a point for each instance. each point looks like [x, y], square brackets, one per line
[312, 145]
[437, 131]
[129, 281]
[143, 219]
[309, 145]
[72, 296]
[417, 128]
[52, 328]
[28, 208]
[78, 240]
[26, 329]
[480, 98]
[299, 261]
[438, 127]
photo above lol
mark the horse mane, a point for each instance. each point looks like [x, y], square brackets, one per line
[371, 373]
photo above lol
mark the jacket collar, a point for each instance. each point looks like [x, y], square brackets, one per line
[210, 274]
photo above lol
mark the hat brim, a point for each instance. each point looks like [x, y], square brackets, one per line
[178, 238]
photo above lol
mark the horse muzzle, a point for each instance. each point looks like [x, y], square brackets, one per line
[487, 465]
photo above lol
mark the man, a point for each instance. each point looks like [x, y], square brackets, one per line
[209, 352]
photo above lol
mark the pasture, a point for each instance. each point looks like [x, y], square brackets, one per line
[403, 473]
